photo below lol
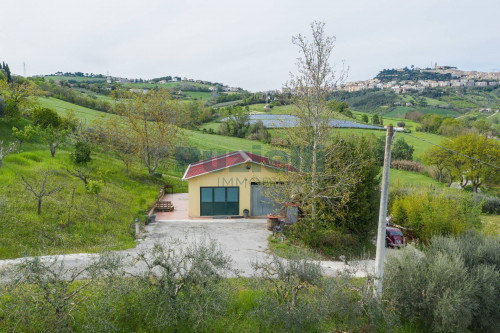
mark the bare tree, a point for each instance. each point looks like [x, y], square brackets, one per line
[42, 190]
[4, 151]
[310, 89]
[83, 173]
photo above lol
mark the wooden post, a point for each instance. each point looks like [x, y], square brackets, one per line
[137, 227]
[382, 217]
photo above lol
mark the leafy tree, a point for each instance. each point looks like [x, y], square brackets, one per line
[53, 136]
[440, 158]
[355, 213]
[431, 123]
[451, 127]
[364, 118]
[472, 170]
[482, 126]
[17, 95]
[402, 150]
[23, 135]
[152, 120]
[45, 117]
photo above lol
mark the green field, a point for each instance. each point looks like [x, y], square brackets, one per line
[197, 139]
[198, 94]
[401, 110]
[86, 115]
[74, 78]
[420, 146]
[173, 85]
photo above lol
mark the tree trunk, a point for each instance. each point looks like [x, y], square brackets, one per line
[39, 205]
[52, 150]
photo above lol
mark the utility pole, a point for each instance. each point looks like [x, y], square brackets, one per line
[382, 216]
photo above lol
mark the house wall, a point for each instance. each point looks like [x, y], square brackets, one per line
[237, 175]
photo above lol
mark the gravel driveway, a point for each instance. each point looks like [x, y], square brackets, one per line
[244, 239]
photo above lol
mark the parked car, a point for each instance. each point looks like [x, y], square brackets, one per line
[394, 237]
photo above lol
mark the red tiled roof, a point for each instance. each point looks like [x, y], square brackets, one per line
[229, 160]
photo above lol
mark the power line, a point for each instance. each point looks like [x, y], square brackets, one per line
[453, 151]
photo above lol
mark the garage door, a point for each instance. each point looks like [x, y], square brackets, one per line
[261, 205]
[219, 201]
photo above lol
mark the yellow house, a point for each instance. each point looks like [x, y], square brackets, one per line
[229, 184]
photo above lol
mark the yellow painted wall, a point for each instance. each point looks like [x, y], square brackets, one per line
[237, 175]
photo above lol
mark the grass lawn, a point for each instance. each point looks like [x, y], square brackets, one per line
[408, 178]
[84, 114]
[97, 223]
[491, 224]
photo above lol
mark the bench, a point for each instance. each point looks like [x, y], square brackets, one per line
[164, 206]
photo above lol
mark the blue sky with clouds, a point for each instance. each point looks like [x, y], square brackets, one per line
[244, 43]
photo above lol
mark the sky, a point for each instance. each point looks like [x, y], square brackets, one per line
[244, 44]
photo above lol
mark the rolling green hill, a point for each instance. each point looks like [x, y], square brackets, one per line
[444, 101]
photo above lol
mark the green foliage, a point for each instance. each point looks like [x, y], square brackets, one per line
[364, 118]
[82, 153]
[53, 136]
[23, 135]
[45, 117]
[238, 125]
[182, 288]
[428, 213]
[455, 284]
[345, 222]
[409, 74]
[11, 110]
[401, 150]
[490, 204]
[224, 98]
[477, 170]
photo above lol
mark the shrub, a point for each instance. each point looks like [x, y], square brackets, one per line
[401, 124]
[455, 284]
[407, 165]
[491, 204]
[82, 153]
[280, 142]
[427, 213]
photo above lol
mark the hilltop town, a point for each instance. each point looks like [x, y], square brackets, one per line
[403, 79]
